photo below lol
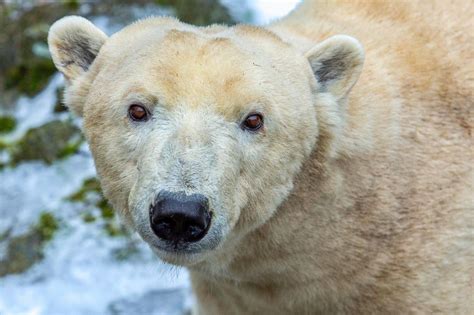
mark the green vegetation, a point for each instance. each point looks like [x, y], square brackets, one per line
[7, 124]
[3, 145]
[199, 12]
[88, 217]
[114, 230]
[105, 210]
[26, 66]
[71, 147]
[89, 185]
[47, 226]
[29, 77]
[105, 213]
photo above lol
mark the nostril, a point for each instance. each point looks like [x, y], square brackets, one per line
[194, 230]
[164, 224]
[179, 217]
[163, 229]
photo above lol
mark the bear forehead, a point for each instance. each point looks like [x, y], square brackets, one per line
[168, 34]
[179, 64]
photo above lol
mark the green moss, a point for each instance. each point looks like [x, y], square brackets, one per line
[105, 210]
[114, 230]
[88, 217]
[71, 4]
[29, 77]
[7, 124]
[47, 226]
[199, 12]
[89, 185]
[71, 148]
[48, 143]
[92, 185]
[3, 145]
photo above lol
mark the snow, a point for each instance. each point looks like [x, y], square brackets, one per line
[269, 10]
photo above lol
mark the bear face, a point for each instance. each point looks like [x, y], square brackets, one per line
[210, 125]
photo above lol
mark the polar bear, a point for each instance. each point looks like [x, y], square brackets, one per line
[251, 156]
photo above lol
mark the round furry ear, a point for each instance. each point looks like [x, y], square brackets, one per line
[74, 42]
[337, 63]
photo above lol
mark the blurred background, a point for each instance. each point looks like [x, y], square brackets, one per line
[62, 250]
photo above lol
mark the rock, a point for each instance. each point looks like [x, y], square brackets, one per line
[156, 302]
[52, 141]
[25, 250]
[21, 253]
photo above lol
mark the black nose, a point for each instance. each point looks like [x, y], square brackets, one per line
[176, 216]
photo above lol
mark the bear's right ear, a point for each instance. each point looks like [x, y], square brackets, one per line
[337, 63]
[74, 42]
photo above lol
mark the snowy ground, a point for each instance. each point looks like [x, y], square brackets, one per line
[81, 272]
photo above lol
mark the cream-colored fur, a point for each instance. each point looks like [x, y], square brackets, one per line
[352, 199]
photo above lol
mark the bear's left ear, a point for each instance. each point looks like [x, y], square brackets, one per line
[74, 43]
[337, 63]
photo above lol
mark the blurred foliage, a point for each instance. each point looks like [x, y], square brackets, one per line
[7, 124]
[91, 187]
[24, 69]
[199, 12]
[47, 226]
[29, 77]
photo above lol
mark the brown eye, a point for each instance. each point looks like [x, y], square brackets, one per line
[138, 112]
[253, 122]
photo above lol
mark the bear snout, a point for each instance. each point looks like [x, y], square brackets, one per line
[177, 217]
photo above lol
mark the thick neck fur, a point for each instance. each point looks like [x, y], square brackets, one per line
[362, 221]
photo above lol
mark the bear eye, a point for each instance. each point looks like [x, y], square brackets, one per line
[253, 122]
[137, 112]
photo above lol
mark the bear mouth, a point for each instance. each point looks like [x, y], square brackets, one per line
[181, 253]
[178, 254]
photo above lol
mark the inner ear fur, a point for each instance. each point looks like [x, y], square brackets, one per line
[74, 43]
[337, 63]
